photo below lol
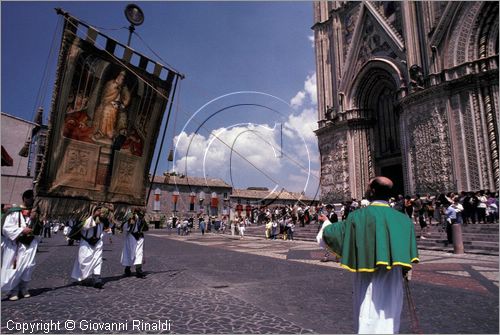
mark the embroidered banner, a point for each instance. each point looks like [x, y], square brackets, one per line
[105, 118]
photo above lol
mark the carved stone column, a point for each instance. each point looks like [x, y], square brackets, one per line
[427, 154]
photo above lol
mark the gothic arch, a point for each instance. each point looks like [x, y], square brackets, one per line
[378, 67]
[457, 50]
[375, 92]
[483, 41]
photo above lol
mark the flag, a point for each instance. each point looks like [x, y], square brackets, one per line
[107, 108]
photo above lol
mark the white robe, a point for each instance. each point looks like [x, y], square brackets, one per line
[133, 250]
[89, 260]
[378, 301]
[15, 252]
[377, 298]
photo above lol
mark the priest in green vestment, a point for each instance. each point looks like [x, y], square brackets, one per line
[377, 244]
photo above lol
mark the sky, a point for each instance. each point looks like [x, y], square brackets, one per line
[249, 79]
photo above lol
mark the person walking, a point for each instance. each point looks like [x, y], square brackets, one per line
[429, 206]
[408, 205]
[378, 245]
[233, 226]
[201, 223]
[481, 207]
[47, 225]
[20, 237]
[133, 246]
[451, 219]
[241, 228]
[89, 259]
[332, 217]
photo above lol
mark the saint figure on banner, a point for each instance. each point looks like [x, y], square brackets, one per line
[110, 116]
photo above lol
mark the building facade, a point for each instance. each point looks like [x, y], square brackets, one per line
[258, 197]
[408, 90]
[191, 196]
[19, 135]
[187, 197]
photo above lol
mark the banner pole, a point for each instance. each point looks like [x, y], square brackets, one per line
[162, 140]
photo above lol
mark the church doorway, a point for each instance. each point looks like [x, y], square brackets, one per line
[377, 94]
[394, 173]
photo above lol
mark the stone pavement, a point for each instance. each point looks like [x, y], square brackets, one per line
[221, 284]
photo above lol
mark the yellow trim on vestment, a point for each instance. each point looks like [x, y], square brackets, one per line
[379, 204]
[387, 266]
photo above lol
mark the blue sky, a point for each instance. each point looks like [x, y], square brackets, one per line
[222, 48]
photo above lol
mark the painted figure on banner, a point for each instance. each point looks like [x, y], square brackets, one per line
[110, 117]
[133, 143]
[76, 121]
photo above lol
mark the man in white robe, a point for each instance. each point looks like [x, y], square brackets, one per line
[133, 246]
[89, 260]
[378, 245]
[19, 248]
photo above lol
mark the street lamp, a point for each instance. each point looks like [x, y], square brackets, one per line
[135, 16]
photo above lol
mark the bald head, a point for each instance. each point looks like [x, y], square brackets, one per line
[380, 188]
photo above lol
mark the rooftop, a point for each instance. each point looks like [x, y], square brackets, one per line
[266, 194]
[192, 181]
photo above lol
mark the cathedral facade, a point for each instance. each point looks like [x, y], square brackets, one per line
[408, 90]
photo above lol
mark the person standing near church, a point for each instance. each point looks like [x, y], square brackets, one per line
[378, 245]
[20, 236]
[332, 217]
[89, 259]
[133, 246]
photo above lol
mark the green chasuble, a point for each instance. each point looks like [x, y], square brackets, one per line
[371, 237]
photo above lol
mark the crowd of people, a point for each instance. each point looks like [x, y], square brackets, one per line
[209, 224]
[23, 229]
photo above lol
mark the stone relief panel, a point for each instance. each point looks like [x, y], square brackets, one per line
[373, 43]
[334, 165]
[429, 148]
[348, 25]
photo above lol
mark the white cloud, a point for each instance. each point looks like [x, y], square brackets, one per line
[254, 148]
[311, 39]
[311, 88]
[302, 124]
[264, 164]
[309, 92]
[298, 99]
[261, 155]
